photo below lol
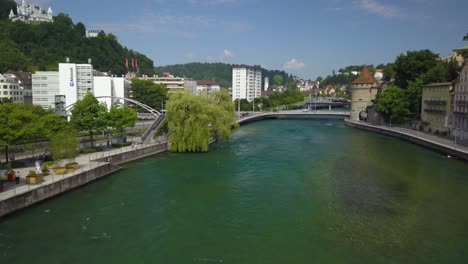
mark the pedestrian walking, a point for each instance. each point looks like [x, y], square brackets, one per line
[17, 177]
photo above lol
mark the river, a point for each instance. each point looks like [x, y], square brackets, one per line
[281, 191]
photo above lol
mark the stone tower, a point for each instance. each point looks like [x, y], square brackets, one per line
[363, 90]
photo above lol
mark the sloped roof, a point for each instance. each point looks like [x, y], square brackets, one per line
[365, 77]
[207, 82]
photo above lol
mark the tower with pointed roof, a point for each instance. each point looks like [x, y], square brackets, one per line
[363, 91]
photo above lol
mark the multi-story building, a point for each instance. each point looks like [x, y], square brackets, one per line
[75, 81]
[207, 85]
[45, 87]
[31, 14]
[460, 113]
[364, 90]
[173, 84]
[10, 88]
[246, 82]
[25, 82]
[436, 107]
[111, 86]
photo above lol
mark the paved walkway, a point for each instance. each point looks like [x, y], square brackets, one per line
[85, 161]
[445, 142]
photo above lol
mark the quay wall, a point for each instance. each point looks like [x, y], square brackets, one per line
[109, 166]
[447, 150]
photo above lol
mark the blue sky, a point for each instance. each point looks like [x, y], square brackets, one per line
[306, 38]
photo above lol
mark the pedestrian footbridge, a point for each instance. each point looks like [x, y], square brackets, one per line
[246, 117]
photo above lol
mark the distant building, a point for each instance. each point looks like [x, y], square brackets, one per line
[460, 114]
[10, 88]
[266, 84]
[436, 107]
[111, 86]
[364, 90]
[455, 56]
[31, 14]
[246, 82]
[378, 74]
[207, 85]
[174, 84]
[45, 86]
[92, 33]
[25, 82]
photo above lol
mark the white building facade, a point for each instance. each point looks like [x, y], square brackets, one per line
[45, 86]
[10, 88]
[207, 85]
[246, 82]
[76, 80]
[111, 86]
[31, 14]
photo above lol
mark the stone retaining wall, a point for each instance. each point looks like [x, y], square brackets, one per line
[447, 150]
[47, 191]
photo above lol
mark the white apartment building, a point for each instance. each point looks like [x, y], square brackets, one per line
[111, 86]
[174, 84]
[45, 86]
[246, 82]
[207, 85]
[10, 88]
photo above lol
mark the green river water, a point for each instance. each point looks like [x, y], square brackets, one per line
[281, 191]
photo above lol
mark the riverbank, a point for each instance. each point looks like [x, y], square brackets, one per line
[93, 166]
[432, 142]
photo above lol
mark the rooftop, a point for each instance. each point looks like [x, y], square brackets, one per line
[365, 77]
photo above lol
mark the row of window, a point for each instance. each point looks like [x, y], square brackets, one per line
[11, 86]
[12, 93]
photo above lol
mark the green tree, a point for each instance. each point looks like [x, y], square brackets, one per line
[22, 124]
[89, 115]
[278, 80]
[392, 104]
[64, 145]
[192, 120]
[412, 65]
[319, 79]
[149, 93]
[5, 7]
[121, 117]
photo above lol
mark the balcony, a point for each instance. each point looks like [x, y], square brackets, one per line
[461, 102]
[436, 111]
[435, 102]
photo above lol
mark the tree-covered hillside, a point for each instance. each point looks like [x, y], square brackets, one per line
[220, 72]
[43, 46]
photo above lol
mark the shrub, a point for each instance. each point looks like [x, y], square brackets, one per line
[32, 173]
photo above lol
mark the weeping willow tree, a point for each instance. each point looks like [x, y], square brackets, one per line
[192, 120]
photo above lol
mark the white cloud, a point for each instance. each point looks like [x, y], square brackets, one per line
[294, 64]
[380, 9]
[190, 55]
[227, 53]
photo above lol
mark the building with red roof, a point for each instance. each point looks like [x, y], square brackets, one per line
[364, 90]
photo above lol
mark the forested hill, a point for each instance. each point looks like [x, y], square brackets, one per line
[43, 46]
[219, 72]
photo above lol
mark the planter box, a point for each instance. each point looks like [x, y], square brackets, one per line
[72, 166]
[34, 179]
[60, 170]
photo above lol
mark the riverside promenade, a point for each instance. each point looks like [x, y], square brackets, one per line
[443, 145]
[92, 166]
